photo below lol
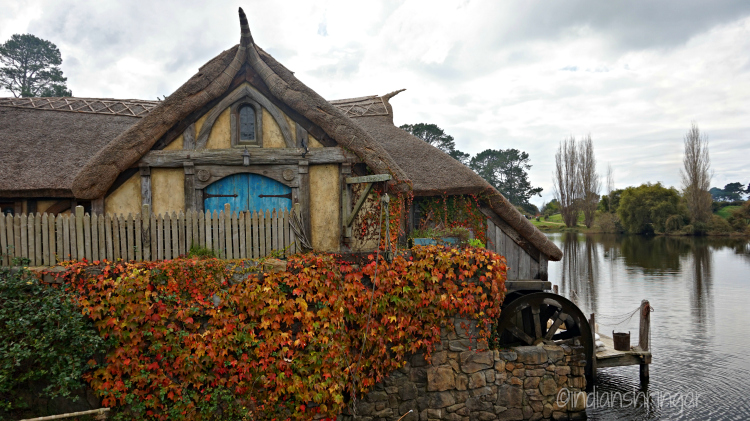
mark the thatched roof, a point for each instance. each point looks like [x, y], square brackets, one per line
[44, 149]
[432, 171]
[126, 107]
[211, 82]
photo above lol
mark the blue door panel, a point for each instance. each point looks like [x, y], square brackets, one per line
[247, 187]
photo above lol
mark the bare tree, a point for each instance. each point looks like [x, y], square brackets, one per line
[590, 185]
[610, 186]
[566, 183]
[696, 175]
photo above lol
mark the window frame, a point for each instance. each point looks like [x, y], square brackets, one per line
[235, 124]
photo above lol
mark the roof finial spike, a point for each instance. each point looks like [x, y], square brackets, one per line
[246, 39]
[392, 94]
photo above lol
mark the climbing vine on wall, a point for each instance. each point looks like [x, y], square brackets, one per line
[453, 211]
[369, 217]
[192, 339]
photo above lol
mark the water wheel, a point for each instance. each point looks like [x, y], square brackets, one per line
[541, 317]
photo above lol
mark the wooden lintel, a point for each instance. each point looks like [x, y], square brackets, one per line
[528, 285]
[353, 214]
[368, 178]
[176, 158]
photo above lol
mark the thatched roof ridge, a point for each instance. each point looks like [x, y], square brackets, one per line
[44, 149]
[433, 172]
[213, 80]
[126, 107]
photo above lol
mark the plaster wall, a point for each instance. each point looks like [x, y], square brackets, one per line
[221, 135]
[126, 199]
[176, 145]
[43, 205]
[167, 190]
[272, 137]
[325, 200]
[313, 142]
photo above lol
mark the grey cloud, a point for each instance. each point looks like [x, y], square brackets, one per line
[627, 25]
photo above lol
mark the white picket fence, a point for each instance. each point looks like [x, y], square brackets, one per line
[47, 239]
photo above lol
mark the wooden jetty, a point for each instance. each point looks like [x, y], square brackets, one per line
[637, 355]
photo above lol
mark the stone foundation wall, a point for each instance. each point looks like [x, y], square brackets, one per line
[462, 384]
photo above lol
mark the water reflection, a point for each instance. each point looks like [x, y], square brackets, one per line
[698, 287]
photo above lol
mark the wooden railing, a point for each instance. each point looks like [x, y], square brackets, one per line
[47, 239]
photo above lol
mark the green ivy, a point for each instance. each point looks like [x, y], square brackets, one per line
[43, 337]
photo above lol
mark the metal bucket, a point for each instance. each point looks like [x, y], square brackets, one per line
[621, 340]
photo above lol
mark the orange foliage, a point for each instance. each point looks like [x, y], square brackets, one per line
[186, 344]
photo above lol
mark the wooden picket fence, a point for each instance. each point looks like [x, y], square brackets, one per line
[46, 239]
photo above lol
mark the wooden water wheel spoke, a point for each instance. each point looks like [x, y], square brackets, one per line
[524, 319]
[556, 325]
[537, 322]
[518, 333]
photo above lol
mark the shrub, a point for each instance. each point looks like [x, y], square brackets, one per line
[718, 225]
[740, 218]
[609, 222]
[43, 337]
[674, 224]
[201, 252]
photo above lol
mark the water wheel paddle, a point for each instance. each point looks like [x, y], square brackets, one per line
[541, 317]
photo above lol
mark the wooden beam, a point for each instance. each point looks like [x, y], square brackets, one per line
[528, 285]
[346, 194]
[176, 159]
[189, 185]
[353, 214]
[511, 233]
[145, 171]
[188, 138]
[368, 178]
[97, 206]
[304, 194]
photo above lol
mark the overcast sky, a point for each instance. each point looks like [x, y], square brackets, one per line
[510, 74]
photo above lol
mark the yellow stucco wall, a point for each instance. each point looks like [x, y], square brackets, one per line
[167, 190]
[313, 142]
[325, 200]
[126, 199]
[43, 205]
[272, 137]
[176, 144]
[221, 132]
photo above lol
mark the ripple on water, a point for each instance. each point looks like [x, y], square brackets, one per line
[699, 288]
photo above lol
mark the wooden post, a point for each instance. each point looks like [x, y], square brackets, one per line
[80, 245]
[543, 261]
[146, 232]
[97, 206]
[304, 195]
[592, 325]
[145, 171]
[189, 169]
[643, 335]
[346, 194]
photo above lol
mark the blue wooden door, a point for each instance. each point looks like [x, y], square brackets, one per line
[244, 192]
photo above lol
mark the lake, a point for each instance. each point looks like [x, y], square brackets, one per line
[699, 288]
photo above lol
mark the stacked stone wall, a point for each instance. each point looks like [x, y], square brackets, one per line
[462, 384]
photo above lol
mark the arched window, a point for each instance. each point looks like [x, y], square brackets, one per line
[247, 124]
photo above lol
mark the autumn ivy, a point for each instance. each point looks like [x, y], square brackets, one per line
[454, 211]
[190, 342]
